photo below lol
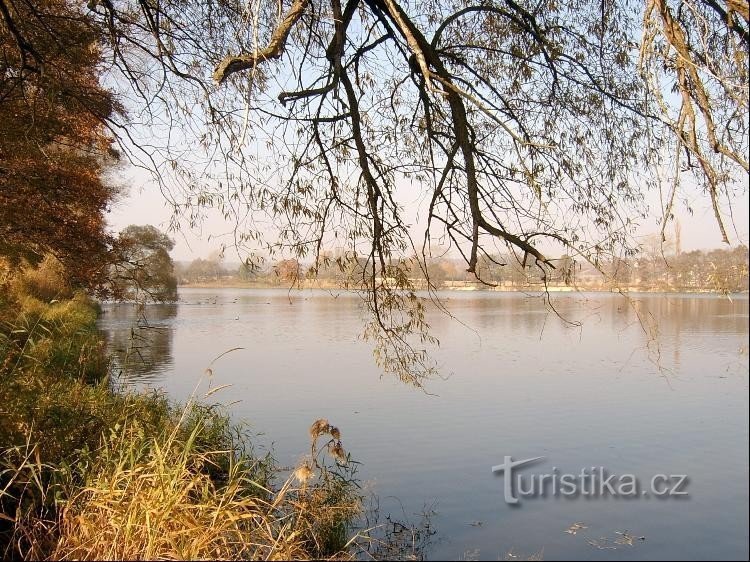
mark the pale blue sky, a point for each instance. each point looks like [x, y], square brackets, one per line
[146, 205]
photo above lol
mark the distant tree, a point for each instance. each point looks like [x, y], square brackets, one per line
[490, 269]
[436, 273]
[566, 270]
[727, 271]
[200, 269]
[621, 272]
[144, 269]
[289, 271]
[247, 271]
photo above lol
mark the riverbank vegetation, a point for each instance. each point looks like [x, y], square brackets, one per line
[91, 472]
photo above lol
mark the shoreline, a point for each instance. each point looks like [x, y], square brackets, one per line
[465, 288]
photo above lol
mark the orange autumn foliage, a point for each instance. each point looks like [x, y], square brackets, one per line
[54, 146]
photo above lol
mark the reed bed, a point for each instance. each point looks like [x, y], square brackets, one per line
[151, 499]
[90, 472]
[140, 497]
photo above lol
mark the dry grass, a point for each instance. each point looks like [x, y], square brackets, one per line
[165, 498]
[154, 501]
[90, 473]
[45, 282]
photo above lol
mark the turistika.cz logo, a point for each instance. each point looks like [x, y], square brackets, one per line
[589, 482]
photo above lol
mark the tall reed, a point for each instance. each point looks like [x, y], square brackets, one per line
[90, 472]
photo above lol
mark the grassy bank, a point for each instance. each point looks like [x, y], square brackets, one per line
[89, 472]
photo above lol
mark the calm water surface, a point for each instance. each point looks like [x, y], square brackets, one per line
[518, 381]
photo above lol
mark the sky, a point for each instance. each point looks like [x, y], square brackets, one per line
[145, 204]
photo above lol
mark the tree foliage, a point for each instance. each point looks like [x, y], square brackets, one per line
[54, 149]
[201, 270]
[144, 269]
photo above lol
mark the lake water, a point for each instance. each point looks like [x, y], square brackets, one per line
[517, 381]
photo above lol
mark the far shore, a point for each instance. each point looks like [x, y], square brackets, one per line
[457, 286]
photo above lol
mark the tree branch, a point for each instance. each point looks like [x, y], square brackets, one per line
[236, 63]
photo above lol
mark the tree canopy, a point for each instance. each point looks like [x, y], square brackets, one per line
[518, 121]
[144, 269]
[53, 146]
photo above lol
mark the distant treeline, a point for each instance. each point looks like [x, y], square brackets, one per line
[721, 270]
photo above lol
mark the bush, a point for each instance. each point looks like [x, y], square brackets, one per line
[46, 282]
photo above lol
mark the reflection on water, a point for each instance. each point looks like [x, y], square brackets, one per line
[595, 388]
[140, 340]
